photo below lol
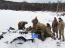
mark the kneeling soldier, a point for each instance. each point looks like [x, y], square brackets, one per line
[44, 29]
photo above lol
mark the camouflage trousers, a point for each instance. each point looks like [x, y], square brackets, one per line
[55, 31]
[61, 33]
[40, 34]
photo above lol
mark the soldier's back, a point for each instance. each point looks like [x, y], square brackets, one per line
[41, 26]
[49, 28]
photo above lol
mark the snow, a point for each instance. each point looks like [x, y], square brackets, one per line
[11, 18]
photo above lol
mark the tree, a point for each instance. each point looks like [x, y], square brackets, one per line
[2, 0]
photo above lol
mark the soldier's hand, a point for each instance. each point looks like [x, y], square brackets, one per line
[53, 36]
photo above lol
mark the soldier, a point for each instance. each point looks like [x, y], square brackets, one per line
[11, 28]
[46, 34]
[61, 28]
[55, 26]
[34, 21]
[43, 29]
[21, 25]
[48, 26]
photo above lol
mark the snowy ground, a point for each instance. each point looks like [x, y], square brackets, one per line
[11, 18]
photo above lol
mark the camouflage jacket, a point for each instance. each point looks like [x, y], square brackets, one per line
[49, 27]
[55, 24]
[43, 28]
[21, 23]
[35, 22]
[61, 25]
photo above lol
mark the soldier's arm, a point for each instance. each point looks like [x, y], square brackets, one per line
[62, 24]
[37, 20]
[53, 36]
[48, 31]
[37, 26]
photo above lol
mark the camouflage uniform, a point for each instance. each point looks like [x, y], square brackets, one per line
[29, 29]
[55, 26]
[35, 22]
[43, 30]
[49, 27]
[61, 28]
[46, 34]
[21, 25]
